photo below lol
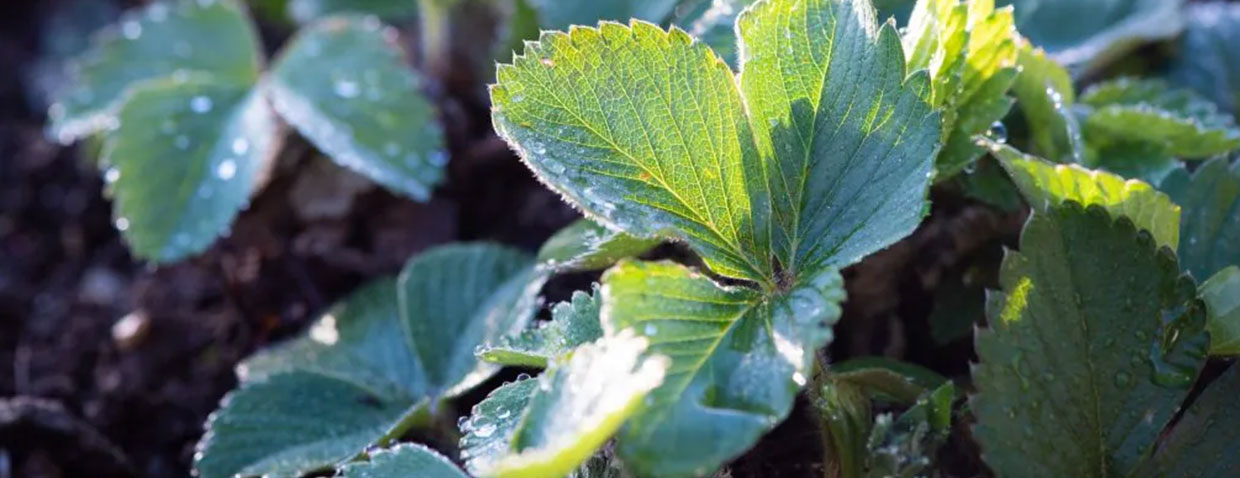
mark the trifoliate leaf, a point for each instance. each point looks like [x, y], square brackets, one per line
[1210, 230]
[576, 408]
[1147, 111]
[1221, 294]
[357, 377]
[344, 85]
[402, 461]
[907, 445]
[188, 155]
[970, 51]
[585, 246]
[1046, 185]
[1091, 33]
[1092, 345]
[1202, 442]
[210, 37]
[561, 14]
[849, 139]
[887, 379]
[1209, 57]
[306, 11]
[573, 323]
[737, 360]
[1044, 92]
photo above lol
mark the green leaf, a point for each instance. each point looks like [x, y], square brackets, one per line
[988, 183]
[1209, 59]
[402, 461]
[575, 409]
[850, 139]
[1210, 230]
[907, 445]
[585, 246]
[1221, 294]
[712, 21]
[1202, 443]
[188, 154]
[1147, 111]
[970, 52]
[561, 14]
[1044, 91]
[1134, 160]
[306, 11]
[486, 436]
[1089, 34]
[1046, 186]
[357, 378]
[847, 418]
[1092, 346]
[887, 379]
[737, 360]
[344, 85]
[209, 37]
[572, 324]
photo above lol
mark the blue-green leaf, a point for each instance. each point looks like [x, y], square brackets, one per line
[585, 245]
[1209, 57]
[1210, 228]
[573, 323]
[402, 461]
[1221, 294]
[306, 11]
[1090, 33]
[1202, 442]
[1148, 111]
[343, 84]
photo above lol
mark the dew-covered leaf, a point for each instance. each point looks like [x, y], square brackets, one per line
[1202, 443]
[1210, 229]
[1209, 57]
[306, 11]
[849, 139]
[576, 407]
[1091, 33]
[1147, 111]
[561, 14]
[1047, 185]
[210, 37]
[185, 159]
[970, 51]
[573, 323]
[585, 246]
[1221, 294]
[737, 360]
[344, 85]
[1091, 347]
[486, 435]
[405, 460]
[1044, 93]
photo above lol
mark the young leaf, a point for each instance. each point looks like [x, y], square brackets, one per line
[1221, 294]
[358, 378]
[306, 11]
[1203, 442]
[1089, 34]
[1179, 121]
[572, 324]
[737, 360]
[575, 409]
[849, 139]
[209, 37]
[847, 418]
[1092, 346]
[1211, 227]
[585, 246]
[1209, 59]
[907, 445]
[1046, 186]
[561, 14]
[402, 461]
[344, 85]
[970, 52]
[188, 155]
[1044, 91]
[887, 379]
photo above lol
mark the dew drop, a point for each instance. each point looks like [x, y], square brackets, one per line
[111, 175]
[240, 146]
[651, 329]
[122, 224]
[346, 88]
[997, 132]
[200, 104]
[131, 29]
[485, 430]
[227, 169]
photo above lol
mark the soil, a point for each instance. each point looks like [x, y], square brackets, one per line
[88, 399]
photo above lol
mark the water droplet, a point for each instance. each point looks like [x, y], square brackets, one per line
[485, 430]
[131, 29]
[200, 104]
[227, 169]
[240, 146]
[462, 423]
[111, 175]
[346, 88]
[122, 224]
[997, 132]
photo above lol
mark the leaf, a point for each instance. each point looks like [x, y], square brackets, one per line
[988, 183]
[1093, 344]
[908, 445]
[1179, 121]
[209, 37]
[1089, 34]
[1046, 186]
[344, 85]
[188, 155]
[486, 436]
[402, 461]
[1134, 160]
[850, 139]
[887, 379]
[575, 409]
[573, 323]
[1044, 91]
[1210, 229]
[737, 360]
[561, 14]
[970, 52]
[585, 246]
[1202, 443]
[357, 377]
[1221, 293]
[307, 11]
[847, 418]
[1209, 59]
[712, 21]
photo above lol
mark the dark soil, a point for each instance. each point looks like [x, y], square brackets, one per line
[86, 403]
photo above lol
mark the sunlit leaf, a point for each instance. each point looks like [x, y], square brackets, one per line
[1044, 93]
[585, 245]
[1210, 229]
[573, 323]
